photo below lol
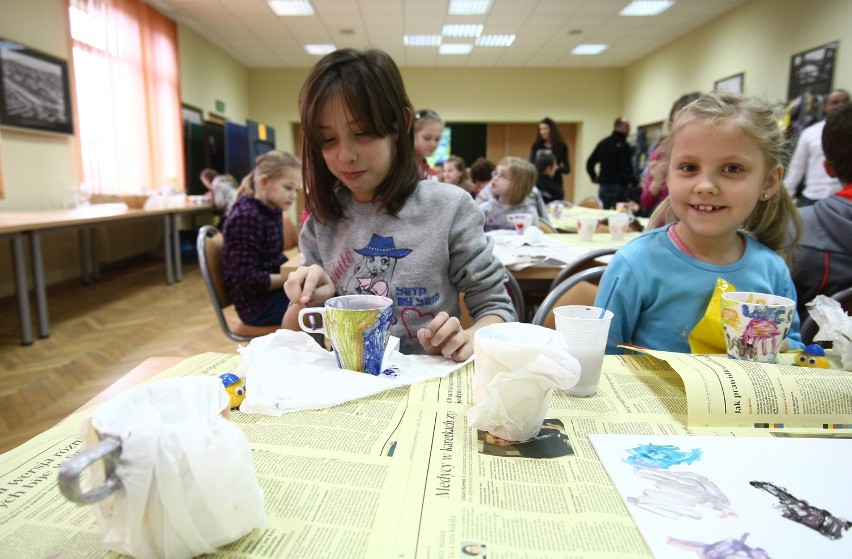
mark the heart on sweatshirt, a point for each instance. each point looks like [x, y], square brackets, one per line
[414, 320]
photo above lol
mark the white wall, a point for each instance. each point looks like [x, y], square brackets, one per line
[757, 39]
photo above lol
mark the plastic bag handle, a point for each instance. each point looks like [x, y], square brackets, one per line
[108, 449]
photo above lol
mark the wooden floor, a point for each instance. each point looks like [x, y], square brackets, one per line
[99, 333]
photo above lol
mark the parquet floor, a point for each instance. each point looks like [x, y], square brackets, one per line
[98, 334]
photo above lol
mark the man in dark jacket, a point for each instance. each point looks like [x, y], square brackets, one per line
[823, 261]
[614, 155]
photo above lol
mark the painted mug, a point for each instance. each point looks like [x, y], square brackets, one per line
[521, 221]
[619, 225]
[358, 327]
[586, 226]
[756, 324]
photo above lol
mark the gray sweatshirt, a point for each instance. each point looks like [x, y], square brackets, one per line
[422, 259]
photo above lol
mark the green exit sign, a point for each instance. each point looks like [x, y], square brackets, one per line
[220, 106]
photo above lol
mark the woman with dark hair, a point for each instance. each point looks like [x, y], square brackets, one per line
[549, 139]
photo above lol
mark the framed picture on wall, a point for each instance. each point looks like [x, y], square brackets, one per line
[812, 71]
[733, 83]
[34, 90]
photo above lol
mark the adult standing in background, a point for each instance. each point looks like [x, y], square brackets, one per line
[807, 159]
[614, 155]
[550, 139]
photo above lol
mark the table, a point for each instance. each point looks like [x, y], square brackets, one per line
[524, 262]
[400, 473]
[16, 225]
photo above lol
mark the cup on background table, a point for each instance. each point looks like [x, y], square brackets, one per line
[619, 224]
[585, 333]
[357, 326]
[556, 209]
[756, 324]
[521, 221]
[586, 226]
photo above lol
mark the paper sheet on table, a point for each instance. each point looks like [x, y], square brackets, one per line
[287, 371]
[516, 252]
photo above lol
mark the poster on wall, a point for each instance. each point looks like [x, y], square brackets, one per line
[812, 71]
[34, 90]
[734, 83]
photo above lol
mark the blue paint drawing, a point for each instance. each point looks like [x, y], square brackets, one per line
[660, 456]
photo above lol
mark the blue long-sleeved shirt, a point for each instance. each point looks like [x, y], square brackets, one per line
[662, 293]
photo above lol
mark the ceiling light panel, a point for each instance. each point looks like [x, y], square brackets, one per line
[320, 49]
[455, 49]
[494, 40]
[588, 49]
[422, 40]
[462, 30]
[469, 7]
[646, 7]
[291, 7]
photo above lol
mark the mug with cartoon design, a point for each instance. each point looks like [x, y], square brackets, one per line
[358, 327]
[756, 324]
[521, 221]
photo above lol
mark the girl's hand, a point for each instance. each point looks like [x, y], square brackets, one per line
[445, 336]
[309, 286]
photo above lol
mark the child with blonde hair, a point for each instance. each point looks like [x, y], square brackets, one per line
[428, 128]
[254, 239]
[510, 193]
[376, 227]
[727, 212]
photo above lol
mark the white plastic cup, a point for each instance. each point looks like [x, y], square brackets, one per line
[586, 226]
[618, 225]
[586, 335]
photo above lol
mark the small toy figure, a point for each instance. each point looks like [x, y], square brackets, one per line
[812, 356]
[235, 387]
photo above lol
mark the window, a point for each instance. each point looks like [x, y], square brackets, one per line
[127, 92]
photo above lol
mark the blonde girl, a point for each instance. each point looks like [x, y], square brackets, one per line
[428, 128]
[375, 226]
[455, 172]
[510, 192]
[728, 216]
[254, 239]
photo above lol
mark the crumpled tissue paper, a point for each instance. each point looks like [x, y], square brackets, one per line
[517, 366]
[287, 371]
[834, 326]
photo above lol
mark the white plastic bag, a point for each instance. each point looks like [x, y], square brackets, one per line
[516, 368]
[187, 478]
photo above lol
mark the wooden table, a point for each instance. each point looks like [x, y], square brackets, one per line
[16, 225]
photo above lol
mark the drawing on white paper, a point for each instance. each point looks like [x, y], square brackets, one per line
[731, 548]
[680, 494]
[798, 510]
[675, 494]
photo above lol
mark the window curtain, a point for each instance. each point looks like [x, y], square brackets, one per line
[128, 96]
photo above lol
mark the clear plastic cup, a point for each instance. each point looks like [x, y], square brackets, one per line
[586, 335]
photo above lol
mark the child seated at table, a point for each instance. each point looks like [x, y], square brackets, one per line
[511, 193]
[727, 212]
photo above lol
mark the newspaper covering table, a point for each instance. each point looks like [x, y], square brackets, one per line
[400, 474]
